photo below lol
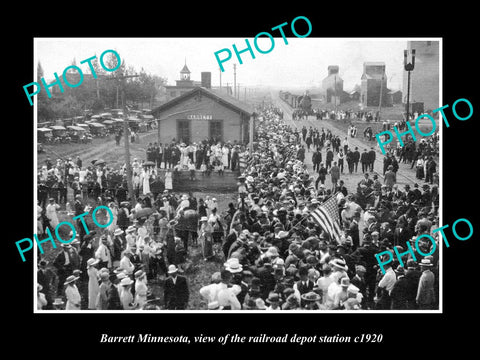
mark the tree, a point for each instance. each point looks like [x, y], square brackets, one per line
[44, 108]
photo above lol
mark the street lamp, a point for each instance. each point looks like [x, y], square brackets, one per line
[408, 67]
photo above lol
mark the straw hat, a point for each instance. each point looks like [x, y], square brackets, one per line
[339, 264]
[138, 274]
[426, 262]
[58, 302]
[233, 265]
[70, 279]
[92, 262]
[126, 281]
[172, 269]
[310, 296]
[121, 276]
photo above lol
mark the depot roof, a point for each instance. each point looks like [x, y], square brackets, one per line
[221, 98]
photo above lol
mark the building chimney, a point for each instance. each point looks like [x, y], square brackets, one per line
[207, 80]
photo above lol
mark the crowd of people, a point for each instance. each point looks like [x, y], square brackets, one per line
[271, 252]
[207, 154]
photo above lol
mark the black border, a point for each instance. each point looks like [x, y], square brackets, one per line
[56, 333]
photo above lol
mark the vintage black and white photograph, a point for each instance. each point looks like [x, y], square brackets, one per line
[209, 175]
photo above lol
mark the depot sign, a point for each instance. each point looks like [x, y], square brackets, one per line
[38, 87]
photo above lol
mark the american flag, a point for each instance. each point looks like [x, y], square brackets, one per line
[326, 215]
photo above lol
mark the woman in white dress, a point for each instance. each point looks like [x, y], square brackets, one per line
[39, 220]
[124, 290]
[225, 152]
[146, 181]
[168, 180]
[51, 213]
[93, 285]
[141, 288]
[72, 294]
[114, 209]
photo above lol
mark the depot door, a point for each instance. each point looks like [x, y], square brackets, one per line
[216, 130]
[183, 131]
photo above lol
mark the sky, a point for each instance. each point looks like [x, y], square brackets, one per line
[302, 62]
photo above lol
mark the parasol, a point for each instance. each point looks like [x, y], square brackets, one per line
[144, 212]
[98, 162]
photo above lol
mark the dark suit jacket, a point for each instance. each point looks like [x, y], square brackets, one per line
[176, 294]
[364, 158]
[229, 240]
[303, 289]
[353, 231]
[400, 238]
[267, 280]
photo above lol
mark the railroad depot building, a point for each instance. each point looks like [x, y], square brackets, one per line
[202, 113]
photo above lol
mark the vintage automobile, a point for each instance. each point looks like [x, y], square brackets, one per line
[134, 123]
[111, 126]
[60, 134]
[44, 135]
[97, 129]
[78, 134]
[105, 116]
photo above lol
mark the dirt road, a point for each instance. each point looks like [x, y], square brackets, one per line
[405, 175]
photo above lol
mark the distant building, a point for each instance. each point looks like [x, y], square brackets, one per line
[425, 77]
[184, 85]
[373, 82]
[333, 86]
[394, 97]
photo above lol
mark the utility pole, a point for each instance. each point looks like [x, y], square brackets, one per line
[335, 78]
[121, 78]
[381, 94]
[220, 70]
[409, 68]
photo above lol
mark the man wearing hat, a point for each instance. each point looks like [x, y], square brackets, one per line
[354, 231]
[176, 292]
[105, 301]
[426, 294]
[45, 278]
[385, 287]
[399, 293]
[64, 263]
[341, 295]
[274, 302]
[390, 178]
[103, 253]
[265, 274]
[231, 238]
[118, 246]
[304, 285]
